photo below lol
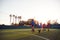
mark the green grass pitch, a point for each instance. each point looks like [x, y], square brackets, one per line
[25, 34]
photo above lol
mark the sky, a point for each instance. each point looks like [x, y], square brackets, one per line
[41, 10]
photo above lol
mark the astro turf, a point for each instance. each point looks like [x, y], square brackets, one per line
[25, 34]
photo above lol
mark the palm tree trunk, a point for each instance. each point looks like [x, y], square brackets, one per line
[10, 18]
[15, 19]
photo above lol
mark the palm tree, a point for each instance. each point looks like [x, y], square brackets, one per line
[19, 18]
[10, 18]
[13, 18]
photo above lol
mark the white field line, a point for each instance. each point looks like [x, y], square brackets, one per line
[41, 37]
